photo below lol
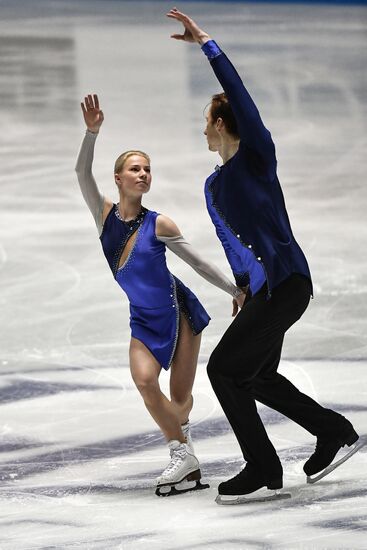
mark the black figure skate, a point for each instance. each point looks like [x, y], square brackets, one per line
[327, 449]
[248, 487]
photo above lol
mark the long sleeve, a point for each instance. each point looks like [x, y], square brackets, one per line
[87, 183]
[208, 271]
[240, 274]
[251, 129]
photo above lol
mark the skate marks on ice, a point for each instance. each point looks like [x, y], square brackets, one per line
[66, 457]
[103, 449]
[347, 523]
[229, 542]
[332, 508]
[309, 509]
[321, 514]
[144, 482]
[56, 458]
[16, 390]
[340, 507]
[10, 443]
[96, 543]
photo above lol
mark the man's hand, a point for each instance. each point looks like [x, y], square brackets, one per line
[192, 32]
[239, 301]
[93, 115]
[235, 307]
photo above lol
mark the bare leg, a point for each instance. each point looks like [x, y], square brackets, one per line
[145, 371]
[183, 370]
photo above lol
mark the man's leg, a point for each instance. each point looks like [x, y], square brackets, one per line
[232, 367]
[275, 391]
[251, 345]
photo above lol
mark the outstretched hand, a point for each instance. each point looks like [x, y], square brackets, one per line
[93, 115]
[192, 33]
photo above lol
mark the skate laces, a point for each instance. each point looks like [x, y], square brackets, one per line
[177, 457]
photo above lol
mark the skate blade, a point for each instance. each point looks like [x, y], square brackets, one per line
[195, 475]
[250, 499]
[357, 446]
[180, 488]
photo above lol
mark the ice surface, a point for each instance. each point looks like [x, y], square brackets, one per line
[79, 453]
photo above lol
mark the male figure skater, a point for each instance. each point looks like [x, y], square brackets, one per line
[246, 205]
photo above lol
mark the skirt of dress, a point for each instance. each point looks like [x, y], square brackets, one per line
[158, 328]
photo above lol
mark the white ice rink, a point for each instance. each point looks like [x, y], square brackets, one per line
[79, 453]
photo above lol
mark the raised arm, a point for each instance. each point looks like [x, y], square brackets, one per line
[168, 232]
[93, 118]
[251, 129]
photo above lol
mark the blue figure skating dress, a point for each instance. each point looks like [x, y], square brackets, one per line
[156, 296]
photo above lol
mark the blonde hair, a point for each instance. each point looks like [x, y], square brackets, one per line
[120, 161]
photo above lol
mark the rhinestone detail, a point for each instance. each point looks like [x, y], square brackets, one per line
[249, 246]
[135, 225]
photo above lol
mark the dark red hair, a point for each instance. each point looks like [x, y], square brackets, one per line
[220, 108]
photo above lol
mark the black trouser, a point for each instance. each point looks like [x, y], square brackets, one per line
[243, 367]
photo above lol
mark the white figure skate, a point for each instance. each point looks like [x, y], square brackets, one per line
[182, 473]
[187, 433]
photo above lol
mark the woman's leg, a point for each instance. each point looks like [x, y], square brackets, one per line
[183, 370]
[145, 371]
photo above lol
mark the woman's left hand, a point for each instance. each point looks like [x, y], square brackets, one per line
[192, 33]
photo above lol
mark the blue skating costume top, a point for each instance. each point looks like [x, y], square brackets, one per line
[156, 296]
[244, 197]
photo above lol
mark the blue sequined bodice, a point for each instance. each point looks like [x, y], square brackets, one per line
[144, 275]
[115, 235]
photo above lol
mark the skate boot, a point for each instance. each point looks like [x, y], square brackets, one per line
[187, 433]
[247, 487]
[182, 473]
[327, 449]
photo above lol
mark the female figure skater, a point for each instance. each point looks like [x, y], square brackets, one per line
[246, 205]
[166, 318]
